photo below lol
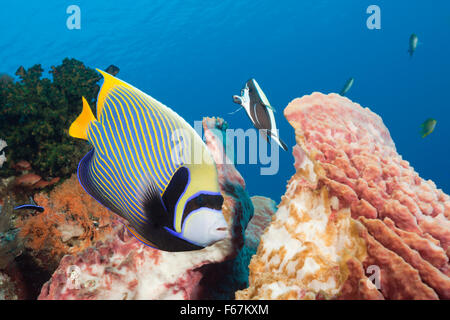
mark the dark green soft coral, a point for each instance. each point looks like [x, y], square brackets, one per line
[36, 112]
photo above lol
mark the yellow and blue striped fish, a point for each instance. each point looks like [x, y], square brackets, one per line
[144, 167]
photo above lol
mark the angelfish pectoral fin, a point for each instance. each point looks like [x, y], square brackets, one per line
[154, 208]
[160, 212]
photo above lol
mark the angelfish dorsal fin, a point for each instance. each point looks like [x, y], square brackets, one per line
[108, 84]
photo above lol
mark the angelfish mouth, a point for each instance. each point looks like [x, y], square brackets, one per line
[219, 233]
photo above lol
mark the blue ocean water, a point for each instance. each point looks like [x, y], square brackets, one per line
[194, 55]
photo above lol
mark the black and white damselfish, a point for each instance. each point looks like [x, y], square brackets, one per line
[259, 110]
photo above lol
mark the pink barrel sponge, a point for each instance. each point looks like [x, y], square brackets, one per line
[352, 184]
[404, 213]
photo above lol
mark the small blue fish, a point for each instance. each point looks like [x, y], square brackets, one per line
[142, 168]
[113, 70]
[31, 206]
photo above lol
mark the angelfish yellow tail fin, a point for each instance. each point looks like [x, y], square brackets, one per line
[79, 127]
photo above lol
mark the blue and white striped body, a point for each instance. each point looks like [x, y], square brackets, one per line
[134, 131]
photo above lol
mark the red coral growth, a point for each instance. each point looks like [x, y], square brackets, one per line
[71, 222]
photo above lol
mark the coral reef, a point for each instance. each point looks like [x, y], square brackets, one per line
[10, 246]
[36, 112]
[71, 222]
[264, 209]
[12, 285]
[121, 267]
[356, 222]
[34, 181]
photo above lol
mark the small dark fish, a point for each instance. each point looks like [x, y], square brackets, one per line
[427, 127]
[112, 70]
[31, 206]
[348, 85]
[413, 42]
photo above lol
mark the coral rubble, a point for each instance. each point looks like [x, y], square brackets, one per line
[356, 222]
[8, 290]
[121, 267]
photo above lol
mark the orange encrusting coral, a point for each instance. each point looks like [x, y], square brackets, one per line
[71, 222]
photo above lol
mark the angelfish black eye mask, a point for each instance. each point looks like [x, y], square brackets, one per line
[203, 200]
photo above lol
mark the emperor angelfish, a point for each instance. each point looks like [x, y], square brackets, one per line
[259, 110]
[141, 168]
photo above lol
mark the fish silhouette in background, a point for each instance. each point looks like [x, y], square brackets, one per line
[413, 43]
[348, 85]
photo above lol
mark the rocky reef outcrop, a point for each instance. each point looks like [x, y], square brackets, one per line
[3, 145]
[120, 267]
[356, 222]
[264, 209]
